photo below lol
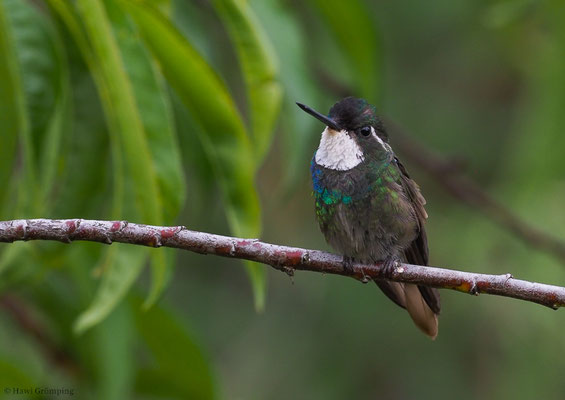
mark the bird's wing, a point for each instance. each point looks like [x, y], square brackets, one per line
[417, 252]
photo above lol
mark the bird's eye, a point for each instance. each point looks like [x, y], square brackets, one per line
[366, 130]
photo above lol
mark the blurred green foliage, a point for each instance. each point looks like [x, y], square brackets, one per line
[182, 112]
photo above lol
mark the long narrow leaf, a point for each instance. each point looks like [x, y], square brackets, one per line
[119, 266]
[11, 104]
[16, 26]
[124, 264]
[225, 142]
[155, 110]
[120, 106]
[21, 50]
[115, 356]
[59, 121]
[260, 70]
[299, 85]
[45, 85]
[128, 133]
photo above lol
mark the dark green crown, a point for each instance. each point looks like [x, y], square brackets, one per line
[352, 113]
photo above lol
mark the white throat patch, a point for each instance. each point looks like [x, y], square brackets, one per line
[338, 151]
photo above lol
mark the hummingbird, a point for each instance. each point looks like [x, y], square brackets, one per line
[368, 207]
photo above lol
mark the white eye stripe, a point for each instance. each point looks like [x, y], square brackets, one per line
[377, 136]
[385, 145]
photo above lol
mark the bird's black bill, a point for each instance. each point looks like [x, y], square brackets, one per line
[321, 117]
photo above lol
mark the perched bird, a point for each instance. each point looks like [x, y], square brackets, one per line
[367, 206]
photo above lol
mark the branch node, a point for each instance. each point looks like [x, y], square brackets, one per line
[474, 290]
[167, 233]
[157, 240]
[72, 226]
[232, 248]
[117, 227]
[305, 257]
[25, 229]
[288, 270]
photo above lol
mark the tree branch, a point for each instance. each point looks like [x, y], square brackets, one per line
[282, 258]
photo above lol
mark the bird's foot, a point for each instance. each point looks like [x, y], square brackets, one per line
[348, 264]
[388, 266]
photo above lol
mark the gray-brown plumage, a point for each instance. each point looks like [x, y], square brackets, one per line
[368, 207]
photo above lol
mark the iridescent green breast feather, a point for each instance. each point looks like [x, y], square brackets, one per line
[331, 190]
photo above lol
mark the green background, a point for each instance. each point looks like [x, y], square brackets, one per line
[182, 112]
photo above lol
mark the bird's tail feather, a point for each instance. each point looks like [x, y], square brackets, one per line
[409, 297]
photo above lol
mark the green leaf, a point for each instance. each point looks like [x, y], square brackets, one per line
[354, 30]
[70, 18]
[20, 29]
[12, 117]
[180, 370]
[34, 86]
[121, 108]
[88, 120]
[50, 161]
[258, 278]
[121, 268]
[260, 70]
[125, 123]
[201, 175]
[115, 358]
[50, 154]
[85, 185]
[43, 65]
[226, 142]
[155, 109]
[299, 85]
